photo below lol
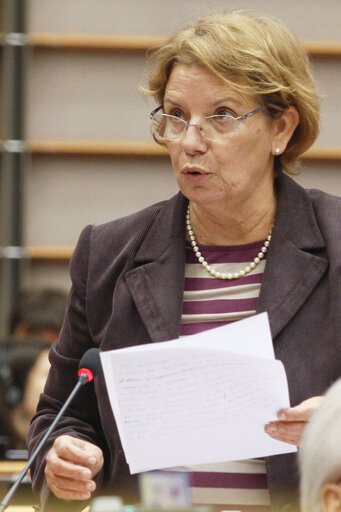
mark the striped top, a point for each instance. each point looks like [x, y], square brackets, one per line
[207, 303]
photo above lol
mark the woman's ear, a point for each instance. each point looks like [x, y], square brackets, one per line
[330, 498]
[284, 129]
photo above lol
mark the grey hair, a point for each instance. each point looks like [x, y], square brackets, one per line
[320, 452]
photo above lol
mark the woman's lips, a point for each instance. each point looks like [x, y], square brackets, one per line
[194, 173]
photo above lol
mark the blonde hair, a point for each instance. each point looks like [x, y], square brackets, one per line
[320, 451]
[255, 55]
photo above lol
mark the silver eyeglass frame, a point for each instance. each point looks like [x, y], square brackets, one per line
[197, 123]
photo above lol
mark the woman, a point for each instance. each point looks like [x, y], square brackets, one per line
[238, 106]
[320, 456]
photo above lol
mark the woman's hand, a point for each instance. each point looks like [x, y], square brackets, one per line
[71, 465]
[292, 421]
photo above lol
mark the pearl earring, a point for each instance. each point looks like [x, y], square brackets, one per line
[277, 151]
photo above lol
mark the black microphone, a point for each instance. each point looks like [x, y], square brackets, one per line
[89, 367]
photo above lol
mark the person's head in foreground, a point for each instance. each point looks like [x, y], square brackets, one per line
[320, 456]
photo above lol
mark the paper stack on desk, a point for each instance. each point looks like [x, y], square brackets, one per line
[198, 399]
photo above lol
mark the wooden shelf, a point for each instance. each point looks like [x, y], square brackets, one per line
[94, 42]
[135, 43]
[140, 43]
[140, 148]
[332, 153]
[97, 148]
[49, 253]
[323, 48]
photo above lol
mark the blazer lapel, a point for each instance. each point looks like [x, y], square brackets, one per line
[156, 284]
[295, 261]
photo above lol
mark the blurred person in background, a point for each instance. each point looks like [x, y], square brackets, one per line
[320, 456]
[24, 367]
[39, 313]
[237, 107]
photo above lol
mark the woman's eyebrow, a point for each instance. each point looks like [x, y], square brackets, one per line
[219, 101]
[226, 99]
[169, 100]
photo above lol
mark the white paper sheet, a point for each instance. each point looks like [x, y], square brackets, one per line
[250, 336]
[201, 399]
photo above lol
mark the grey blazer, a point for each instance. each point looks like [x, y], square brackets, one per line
[127, 289]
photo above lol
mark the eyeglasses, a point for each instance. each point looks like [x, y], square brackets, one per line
[213, 128]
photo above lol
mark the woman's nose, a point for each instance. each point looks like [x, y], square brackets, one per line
[193, 141]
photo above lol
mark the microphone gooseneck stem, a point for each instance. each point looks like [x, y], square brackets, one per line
[82, 380]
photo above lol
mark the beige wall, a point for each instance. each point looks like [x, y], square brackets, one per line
[310, 19]
[93, 96]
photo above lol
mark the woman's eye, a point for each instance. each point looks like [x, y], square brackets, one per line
[177, 113]
[224, 112]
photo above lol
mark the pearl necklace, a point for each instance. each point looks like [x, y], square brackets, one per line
[236, 275]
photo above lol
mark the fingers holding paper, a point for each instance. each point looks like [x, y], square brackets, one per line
[292, 421]
[288, 432]
[71, 465]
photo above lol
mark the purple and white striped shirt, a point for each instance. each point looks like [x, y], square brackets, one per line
[207, 303]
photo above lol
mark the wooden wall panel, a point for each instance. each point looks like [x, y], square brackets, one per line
[92, 96]
[310, 19]
[65, 194]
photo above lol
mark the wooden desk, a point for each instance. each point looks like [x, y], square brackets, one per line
[12, 467]
[29, 508]
[24, 508]
[9, 469]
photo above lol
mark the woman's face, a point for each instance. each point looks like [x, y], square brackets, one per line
[234, 168]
